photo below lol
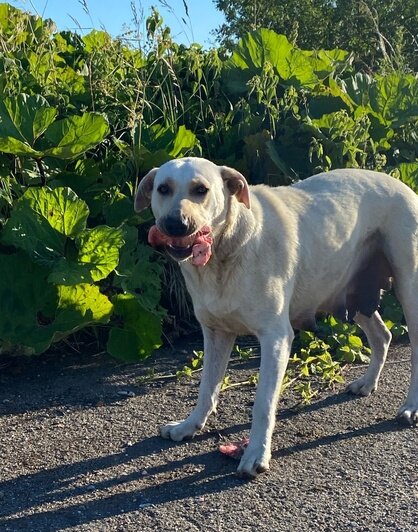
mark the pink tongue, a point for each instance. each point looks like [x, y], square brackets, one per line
[201, 242]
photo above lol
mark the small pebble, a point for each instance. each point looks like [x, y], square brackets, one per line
[126, 393]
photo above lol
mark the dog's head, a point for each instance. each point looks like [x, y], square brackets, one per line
[188, 197]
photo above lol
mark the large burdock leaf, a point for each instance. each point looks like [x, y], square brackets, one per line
[50, 226]
[261, 47]
[36, 313]
[97, 256]
[74, 135]
[41, 221]
[167, 143]
[23, 119]
[138, 274]
[141, 333]
[184, 140]
[63, 209]
[96, 40]
[394, 98]
[27, 302]
[325, 62]
[408, 174]
[391, 99]
[99, 247]
[28, 127]
[358, 87]
[79, 306]
[18, 147]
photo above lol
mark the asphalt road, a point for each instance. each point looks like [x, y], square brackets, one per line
[80, 451]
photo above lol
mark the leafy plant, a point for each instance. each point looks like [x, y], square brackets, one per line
[83, 118]
[37, 313]
[28, 127]
[195, 365]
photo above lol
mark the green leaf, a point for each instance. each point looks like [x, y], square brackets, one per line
[325, 62]
[184, 140]
[25, 118]
[99, 247]
[358, 88]
[125, 345]
[263, 46]
[297, 70]
[259, 46]
[36, 313]
[166, 144]
[118, 210]
[42, 219]
[346, 354]
[141, 333]
[49, 225]
[139, 272]
[17, 147]
[408, 174]
[86, 300]
[75, 135]
[354, 341]
[394, 98]
[27, 302]
[63, 209]
[96, 40]
[97, 256]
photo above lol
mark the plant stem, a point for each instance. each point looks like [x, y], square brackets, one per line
[41, 171]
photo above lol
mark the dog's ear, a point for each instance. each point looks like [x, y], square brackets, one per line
[144, 190]
[237, 185]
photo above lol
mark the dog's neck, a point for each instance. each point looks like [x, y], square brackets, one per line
[235, 227]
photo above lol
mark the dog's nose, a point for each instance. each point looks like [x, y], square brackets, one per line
[176, 226]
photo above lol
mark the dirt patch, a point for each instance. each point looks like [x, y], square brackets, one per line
[80, 451]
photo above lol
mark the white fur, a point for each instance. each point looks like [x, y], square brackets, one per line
[278, 263]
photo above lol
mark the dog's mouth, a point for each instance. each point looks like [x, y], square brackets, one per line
[197, 246]
[179, 253]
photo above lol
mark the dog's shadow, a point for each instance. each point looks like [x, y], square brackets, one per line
[382, 426]
[187, 476]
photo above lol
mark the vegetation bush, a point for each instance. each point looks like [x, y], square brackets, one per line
[82, 118]
[381, 34]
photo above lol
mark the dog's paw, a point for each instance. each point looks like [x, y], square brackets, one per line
[253, 462]
[362, 386]
[408, 413]
[179, 430]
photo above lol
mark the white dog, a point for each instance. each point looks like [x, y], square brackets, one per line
[263, 261]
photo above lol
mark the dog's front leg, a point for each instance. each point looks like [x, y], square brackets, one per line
[275, 350]
[217, 350]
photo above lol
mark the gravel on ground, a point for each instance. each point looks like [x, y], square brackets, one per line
[80, 451]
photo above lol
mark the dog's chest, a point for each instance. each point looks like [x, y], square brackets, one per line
[218, 304]
[216, 318]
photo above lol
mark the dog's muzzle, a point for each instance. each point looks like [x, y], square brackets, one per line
[176, 225]
[197, 245]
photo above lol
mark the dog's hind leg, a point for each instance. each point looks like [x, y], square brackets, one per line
[409, 410]
[217, 350]
[378, 337]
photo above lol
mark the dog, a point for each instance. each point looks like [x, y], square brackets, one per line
[266, 260]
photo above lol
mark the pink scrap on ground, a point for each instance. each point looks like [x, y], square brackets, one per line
[201, 243]
[234, 449]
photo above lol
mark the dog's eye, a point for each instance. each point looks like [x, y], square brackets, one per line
[201, 190]
[164, 190]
